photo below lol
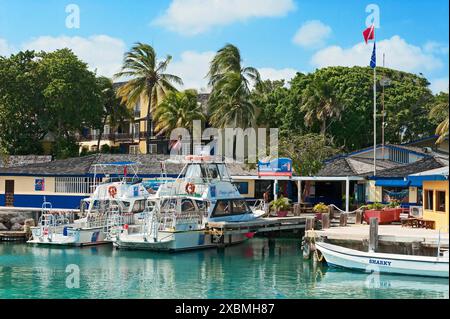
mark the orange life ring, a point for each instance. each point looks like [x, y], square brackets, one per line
[190, 188]
[112, 190]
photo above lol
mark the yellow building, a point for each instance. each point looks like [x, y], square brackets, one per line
[436, 203]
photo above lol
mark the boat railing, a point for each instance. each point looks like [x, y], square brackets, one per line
[258, 205]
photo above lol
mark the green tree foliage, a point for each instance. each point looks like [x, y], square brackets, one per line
[114, 112]
[343, 97]
[149, 83]
[307, 151]
[230, 104]
[179, 109]
[439, 115]
[21, 103]
[72, 98]
[46, 92]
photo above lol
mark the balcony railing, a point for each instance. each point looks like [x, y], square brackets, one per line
[110, 137]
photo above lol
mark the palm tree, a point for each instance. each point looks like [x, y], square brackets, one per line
[179, 109]
[320, 103]
[148, 84]
[229, 102]
[115, 113]
[439, 112]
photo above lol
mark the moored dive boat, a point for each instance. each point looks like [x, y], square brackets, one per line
[118, 201]
[384, 263]
[178, 218]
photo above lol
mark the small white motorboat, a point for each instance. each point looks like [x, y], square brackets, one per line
[384, 263]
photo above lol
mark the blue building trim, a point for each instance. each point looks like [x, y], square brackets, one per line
[367, 149]
[423, 139]
[35, 201]
[86, 175]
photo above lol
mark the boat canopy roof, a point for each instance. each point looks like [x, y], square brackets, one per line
[117, 164]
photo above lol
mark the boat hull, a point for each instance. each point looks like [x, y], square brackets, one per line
[74, 237]
[384, 263]
[175, 241]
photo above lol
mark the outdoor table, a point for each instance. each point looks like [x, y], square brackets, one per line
[418, 223]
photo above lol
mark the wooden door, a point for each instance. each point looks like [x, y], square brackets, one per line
[9, 193]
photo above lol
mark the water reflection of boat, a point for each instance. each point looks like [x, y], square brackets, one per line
[178, 219]
[358, 280]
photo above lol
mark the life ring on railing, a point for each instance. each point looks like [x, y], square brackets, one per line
[190, 188]
[112, 190]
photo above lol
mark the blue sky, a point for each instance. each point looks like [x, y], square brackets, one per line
[279, 37]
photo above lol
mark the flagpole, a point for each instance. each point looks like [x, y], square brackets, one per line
[375, 120]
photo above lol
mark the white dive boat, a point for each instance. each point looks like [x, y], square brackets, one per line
[117, 201]
[178, 219]
[384, 263]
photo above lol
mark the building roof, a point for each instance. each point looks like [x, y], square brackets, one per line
[82, 166]
[337, 167]
[20, 160]
[404, 170]
[437, 171]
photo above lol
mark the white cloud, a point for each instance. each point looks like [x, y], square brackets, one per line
[439, 85]
[191, 17]
[100, 52]
[436, 47]
[192, 67]
[5, 48]
[277, 74]
[312, 34]
[400, 55]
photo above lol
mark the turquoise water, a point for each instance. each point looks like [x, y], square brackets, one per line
[249, 270]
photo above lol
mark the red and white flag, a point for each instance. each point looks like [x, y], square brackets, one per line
[369, 33]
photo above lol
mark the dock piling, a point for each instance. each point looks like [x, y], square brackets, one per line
[358, 219]
[325, 221]
[343, 219]
[373, 234]
[309, 223]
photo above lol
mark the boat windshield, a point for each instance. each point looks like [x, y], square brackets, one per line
[206, 172]
[230, 207]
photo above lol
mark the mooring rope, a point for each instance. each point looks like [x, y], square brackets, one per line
[354, 211]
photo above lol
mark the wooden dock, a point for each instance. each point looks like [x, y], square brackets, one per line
[13, 236]
[393, 239]
[386, 233]
[268, 224]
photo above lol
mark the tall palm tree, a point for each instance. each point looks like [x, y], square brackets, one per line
[439, 112]
[320, 103]
[148, 84]
[229, 102]
[179, 109]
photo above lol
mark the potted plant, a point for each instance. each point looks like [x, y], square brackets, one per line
[394, 210]
[281, 206]
[384, 215]
[320, 209]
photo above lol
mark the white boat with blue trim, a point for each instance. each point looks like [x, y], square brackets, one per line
[118, 201]
[385, 263]
[178, 219]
